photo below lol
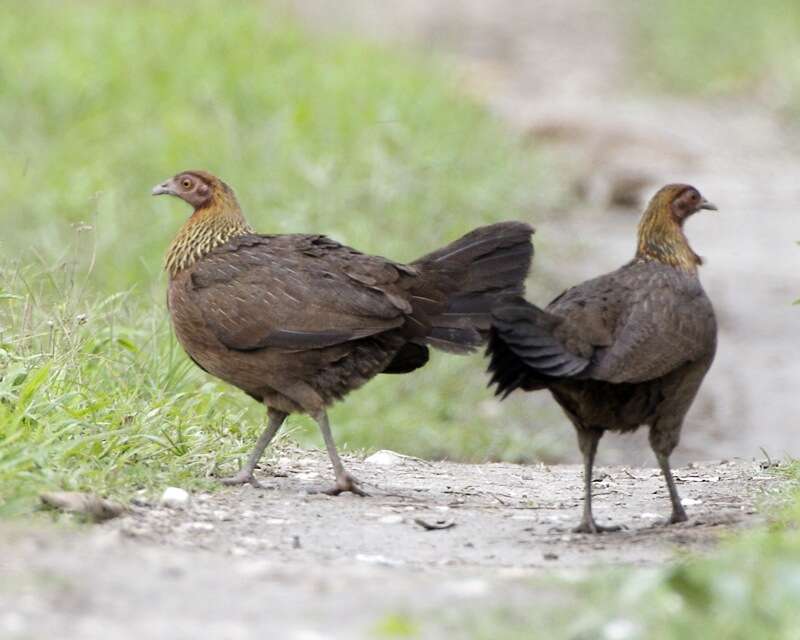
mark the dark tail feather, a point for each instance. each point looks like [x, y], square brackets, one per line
[472, 274]
[507, 370]
[410, 357]
[524, 352]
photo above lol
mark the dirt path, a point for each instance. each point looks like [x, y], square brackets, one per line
[245, 562]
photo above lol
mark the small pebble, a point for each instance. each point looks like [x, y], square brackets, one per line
[378, 559]
[470, 588]
[384, 458]
[394, 518]
[175, 498]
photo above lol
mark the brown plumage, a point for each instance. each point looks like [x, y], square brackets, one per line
[298, 321]
[626, 349]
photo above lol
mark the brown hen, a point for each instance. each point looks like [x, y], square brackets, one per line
[626, 349]
[298, 321]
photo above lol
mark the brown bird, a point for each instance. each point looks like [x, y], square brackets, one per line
[625, 349]
[298, 321]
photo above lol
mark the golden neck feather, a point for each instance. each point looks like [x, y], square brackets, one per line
[661, 239]
[209, 226]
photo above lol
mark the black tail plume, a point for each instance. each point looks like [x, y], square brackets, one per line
[523, 351]
[474, 272]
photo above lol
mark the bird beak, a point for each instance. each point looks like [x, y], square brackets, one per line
[163, 188]
[705, 204]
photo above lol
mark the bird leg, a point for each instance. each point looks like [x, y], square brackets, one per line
[678, 513]
[587, 440]
[663, 440]
[245, 475]
[344, 481]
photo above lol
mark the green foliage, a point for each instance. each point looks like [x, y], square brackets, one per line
[396, 626]
[101, 100]
[749, 590]
[95, 395]
[721, 46]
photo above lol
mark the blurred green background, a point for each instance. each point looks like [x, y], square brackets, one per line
[721, 47]
[98, 102]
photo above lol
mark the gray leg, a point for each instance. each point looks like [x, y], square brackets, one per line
[245, 476]
[663, 440]
[344, 481]
[587, 440]
[678, 513]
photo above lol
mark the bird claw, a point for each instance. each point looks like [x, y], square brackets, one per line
[243, 477]
[592, 527]
[344, 484]
[678, 516]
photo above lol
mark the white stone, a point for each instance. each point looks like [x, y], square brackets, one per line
[394, 518]
[378, 559]
[621, 629]
[649, 515]
[471, 588]
[384, 458]
[175, 498]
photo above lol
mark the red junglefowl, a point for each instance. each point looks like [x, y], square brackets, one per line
[626, 349]
[298, 321]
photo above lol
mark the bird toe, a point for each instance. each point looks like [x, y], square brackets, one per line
[242, 478]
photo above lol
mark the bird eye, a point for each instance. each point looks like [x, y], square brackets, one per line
[186, 183]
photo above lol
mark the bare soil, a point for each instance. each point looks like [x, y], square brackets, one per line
[284, 562]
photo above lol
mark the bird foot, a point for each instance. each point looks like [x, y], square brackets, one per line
[591, 526]
[344, 484]
[243, 477]
[678, 515]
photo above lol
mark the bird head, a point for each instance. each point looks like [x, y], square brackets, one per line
[216, 219]
[661, 235]
[681, 200]
[197, 188]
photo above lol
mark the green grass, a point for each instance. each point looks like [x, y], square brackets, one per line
[374, 147]
[721, 47]
[101, 100]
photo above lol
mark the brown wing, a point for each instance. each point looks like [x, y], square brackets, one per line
[641, 322]
[298, 292]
